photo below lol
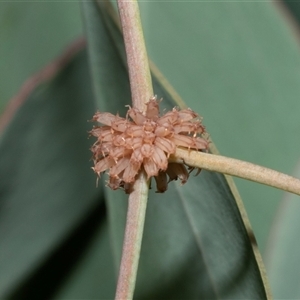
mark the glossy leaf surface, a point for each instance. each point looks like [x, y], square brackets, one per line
[195, 244]
[282, 254]
[48, 194]
[237, 64]
[32, 34]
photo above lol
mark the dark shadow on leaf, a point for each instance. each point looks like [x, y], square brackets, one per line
[179, 284]
[51, 276]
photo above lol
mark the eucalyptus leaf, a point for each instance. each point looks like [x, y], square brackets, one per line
[282, 253]
[47, 188]
[237, 64]
[195, 243]
[54, 235]
[32, 33]
[93, 276]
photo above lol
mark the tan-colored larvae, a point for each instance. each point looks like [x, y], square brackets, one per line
[164, 130]
[147, 150]
[137, 156]
[149, 126]
[119, 167]
[119, 124]
[144, 141]
[150, 167]
[119, 140]
[134, 143]
[134, 131]
[136, 116]
[118, 152]
[149, 137]
[131, 171]
[165, 144]
[188, 127]
[200, 143]
[186, 115]
[160, 158]
[169, 118]
[97, 131]
[103, 165]
[104, 118]
[152, 110]
[100, 150]
[188, 142]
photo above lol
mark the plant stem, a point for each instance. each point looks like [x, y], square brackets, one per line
[141, 92]
[137, 59]
[237, 168]
[132, 239]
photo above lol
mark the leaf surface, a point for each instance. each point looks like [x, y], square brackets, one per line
[237, 64]
[282, 253]
[195, 243]
[49, 203]
[32, 33]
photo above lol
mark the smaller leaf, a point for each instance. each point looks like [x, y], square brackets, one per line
[46, 185]
[283, 249]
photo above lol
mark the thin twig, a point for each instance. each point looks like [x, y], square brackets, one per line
[237, 168]
[141, 91]
[137, 59]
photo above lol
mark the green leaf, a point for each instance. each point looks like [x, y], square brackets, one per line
[292, 12]
[222, 61]
[237, 64]
[282, 253]
[93, 276]
[50, 206]
[195, 243]
[32, 34]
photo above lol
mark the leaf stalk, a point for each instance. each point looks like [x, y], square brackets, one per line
[141, 92]
[238, 168]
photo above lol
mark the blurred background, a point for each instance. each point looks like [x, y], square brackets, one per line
[236, 63]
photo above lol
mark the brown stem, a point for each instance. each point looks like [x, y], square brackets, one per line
[132, 239]
[137, 59]
[141, 91]
[237, 168]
